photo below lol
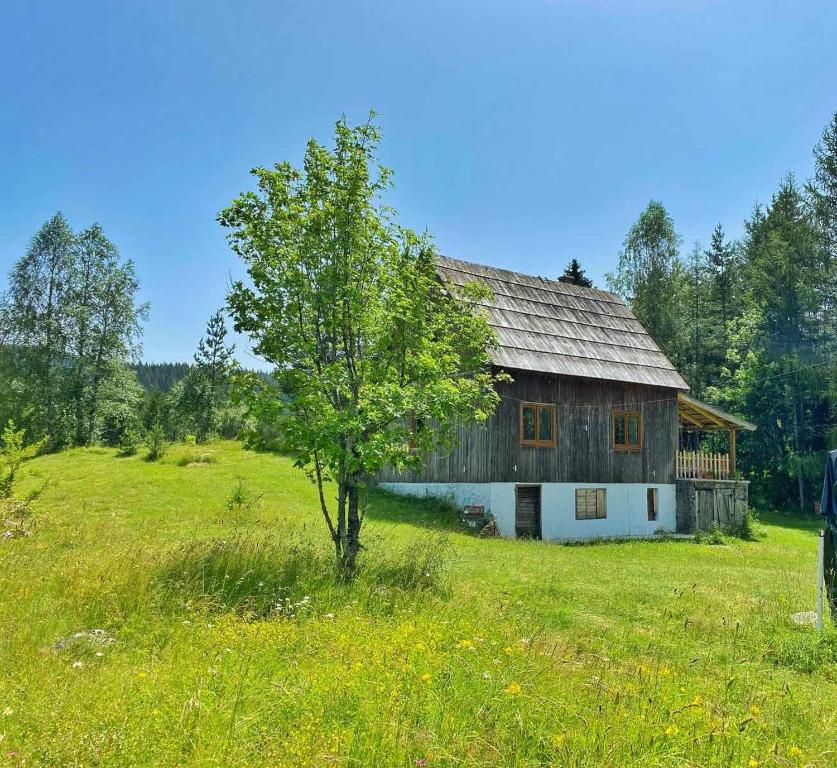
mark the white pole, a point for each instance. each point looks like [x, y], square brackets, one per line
[820, 577]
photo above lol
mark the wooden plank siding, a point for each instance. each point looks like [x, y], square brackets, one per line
[583, 451]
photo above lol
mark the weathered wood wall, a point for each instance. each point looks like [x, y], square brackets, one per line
[704, 503]
[583, 452]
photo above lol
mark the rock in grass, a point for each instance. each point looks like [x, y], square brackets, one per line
[89, 637]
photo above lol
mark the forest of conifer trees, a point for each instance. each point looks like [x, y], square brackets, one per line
[752, 323]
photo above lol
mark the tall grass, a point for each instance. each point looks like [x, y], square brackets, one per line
[234, 644]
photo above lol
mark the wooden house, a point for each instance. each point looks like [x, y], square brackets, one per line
[586, 440]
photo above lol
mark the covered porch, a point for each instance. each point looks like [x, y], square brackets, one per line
[696, 419]
[710, 491]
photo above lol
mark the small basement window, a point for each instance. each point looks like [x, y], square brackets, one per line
[653, 504]
[627, 430]
[590, 503]
[537, 425]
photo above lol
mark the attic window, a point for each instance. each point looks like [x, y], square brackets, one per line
[627, 430]
[537, 425]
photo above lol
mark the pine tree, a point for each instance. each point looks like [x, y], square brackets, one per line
[214, 357]
[822, 190]
[788, 280]
[697, 351]
[823, 187]
[723, 262]
[198, 399]
[575, 274]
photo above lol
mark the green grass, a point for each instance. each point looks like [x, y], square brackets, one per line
[448, 649]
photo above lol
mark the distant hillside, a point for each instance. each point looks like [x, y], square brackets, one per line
[160, 377]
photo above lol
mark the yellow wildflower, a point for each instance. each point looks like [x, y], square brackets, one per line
[509, 650]
[426, 677]
[558, 740]
[665, 672]
[514, 689]
[672, 730]
[754, 710]
[697, 701]
[752, 763]
[466, 644]
[795, 751]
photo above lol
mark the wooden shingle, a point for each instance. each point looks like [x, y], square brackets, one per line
[544, 325]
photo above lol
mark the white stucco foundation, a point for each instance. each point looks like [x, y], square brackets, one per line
[627, 512]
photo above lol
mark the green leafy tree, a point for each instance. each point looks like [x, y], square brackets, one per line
[650, 276]
[575, 274]
[105, 326]
[348, 307]
[69, 320]
[115, 329]
[36, 323]
[121, 400]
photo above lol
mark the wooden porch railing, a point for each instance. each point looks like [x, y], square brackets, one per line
[692, 464]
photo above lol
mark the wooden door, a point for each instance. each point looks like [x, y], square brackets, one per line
[527, 513]
[705, 509]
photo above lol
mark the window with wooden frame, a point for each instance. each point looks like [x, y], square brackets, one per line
[590, 503]
[627, 430]
[653, 504]
[537, 425]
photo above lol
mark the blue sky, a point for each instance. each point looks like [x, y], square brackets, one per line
[522, 133]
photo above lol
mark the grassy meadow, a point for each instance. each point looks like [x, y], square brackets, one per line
[227, 642]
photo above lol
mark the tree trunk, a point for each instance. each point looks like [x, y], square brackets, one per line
[341, 537]
[353, 543]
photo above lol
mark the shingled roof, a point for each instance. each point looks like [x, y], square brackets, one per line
[545, 325]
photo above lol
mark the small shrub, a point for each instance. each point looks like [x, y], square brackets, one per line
[130, 442]
[746, 529]
[156, 442]
[242, 502]
[714, 536]
[13, 452]
[190, 440]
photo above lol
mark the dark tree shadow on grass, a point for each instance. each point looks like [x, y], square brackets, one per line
[428, 512]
